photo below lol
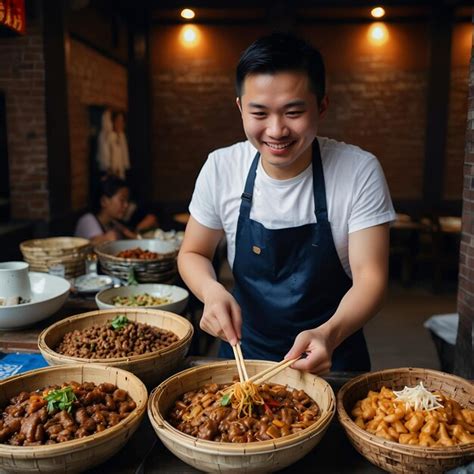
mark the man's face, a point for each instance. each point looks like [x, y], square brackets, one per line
[280, 115]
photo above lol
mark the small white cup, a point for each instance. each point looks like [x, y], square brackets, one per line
[14, 280]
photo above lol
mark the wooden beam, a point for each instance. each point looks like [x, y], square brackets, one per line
[56, 99]
[437, 107]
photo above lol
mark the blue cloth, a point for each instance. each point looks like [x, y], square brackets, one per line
[13, 364]
[290, 280]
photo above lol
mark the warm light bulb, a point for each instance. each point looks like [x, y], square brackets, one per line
[189, 35]
[377, 12]
[378, 34]
[187, 13]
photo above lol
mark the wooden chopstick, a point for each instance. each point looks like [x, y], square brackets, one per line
[239, 363]
[271, 371]
[242, 363]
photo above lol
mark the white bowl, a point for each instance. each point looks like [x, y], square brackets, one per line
[178, 296]
[48, 294]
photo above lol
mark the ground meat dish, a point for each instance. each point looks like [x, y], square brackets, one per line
[28, 420]
[201, 414]
[138, 253]
[102, 341]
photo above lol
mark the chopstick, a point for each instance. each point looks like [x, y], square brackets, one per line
[271, 371]
[239, 359]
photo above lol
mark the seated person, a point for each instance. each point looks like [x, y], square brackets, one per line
[105, 223]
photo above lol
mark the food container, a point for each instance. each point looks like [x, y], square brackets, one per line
[261, 456]
[161, 269]
[176, 297]
[392, 456]
[151, 367]
[53, 252]
[79, 454]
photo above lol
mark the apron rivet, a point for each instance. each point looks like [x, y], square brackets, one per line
[256, 250]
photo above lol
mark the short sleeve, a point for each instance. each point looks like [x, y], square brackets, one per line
[204, 202]
[88, 227]
[371, 202]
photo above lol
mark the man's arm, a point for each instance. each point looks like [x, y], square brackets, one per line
[221, 316]
[368, 257]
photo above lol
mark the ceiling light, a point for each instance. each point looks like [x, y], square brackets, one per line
[377, 12]
[187, 14]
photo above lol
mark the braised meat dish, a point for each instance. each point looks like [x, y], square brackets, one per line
[117, 338]
[139, 253]
[62, 413]
[243, 412]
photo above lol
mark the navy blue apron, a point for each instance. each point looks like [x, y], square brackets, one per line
[290, 280]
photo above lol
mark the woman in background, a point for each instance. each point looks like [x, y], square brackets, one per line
[105, 222]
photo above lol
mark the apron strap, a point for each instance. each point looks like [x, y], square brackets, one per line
[246, 198]
[319, 188]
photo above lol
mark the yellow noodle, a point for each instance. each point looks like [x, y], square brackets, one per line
[243, 396]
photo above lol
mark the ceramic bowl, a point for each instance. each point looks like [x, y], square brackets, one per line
[48, 294]
[177, 296]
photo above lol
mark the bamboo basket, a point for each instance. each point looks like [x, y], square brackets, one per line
[392, 456]
[151, 368]
[80, 454]
[260, 456]
[159, 270]
[71, 252]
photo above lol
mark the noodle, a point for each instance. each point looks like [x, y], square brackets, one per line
[243, 395]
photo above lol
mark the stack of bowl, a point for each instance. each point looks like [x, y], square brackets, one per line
[69, 252]
[161, 269]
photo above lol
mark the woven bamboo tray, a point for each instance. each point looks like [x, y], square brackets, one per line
[395, 457]
[261, 456]
[67, 251]
[151, 368]
[159, 270]
[76, 455]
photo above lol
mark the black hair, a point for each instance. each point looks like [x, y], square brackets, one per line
[280, 52]
[109, 186]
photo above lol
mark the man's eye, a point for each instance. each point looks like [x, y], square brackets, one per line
[294, 113]
[258, 114]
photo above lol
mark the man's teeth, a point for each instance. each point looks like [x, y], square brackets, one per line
[278, 147]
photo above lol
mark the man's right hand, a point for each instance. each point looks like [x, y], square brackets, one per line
[221, 316]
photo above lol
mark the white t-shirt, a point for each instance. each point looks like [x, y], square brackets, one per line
[356, 193]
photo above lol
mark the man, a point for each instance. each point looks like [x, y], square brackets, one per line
[306, 221]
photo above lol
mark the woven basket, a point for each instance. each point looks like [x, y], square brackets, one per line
[71, 252]
[80, 454]
[261, 456]
[151, 368]
[392, 456]
[159, 270]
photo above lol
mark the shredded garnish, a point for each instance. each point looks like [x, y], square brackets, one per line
[60, 399]
[243, 396]
[418, 398]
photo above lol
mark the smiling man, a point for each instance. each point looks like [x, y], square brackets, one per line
[305, 218]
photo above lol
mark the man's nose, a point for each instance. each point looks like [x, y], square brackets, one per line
[277, 127]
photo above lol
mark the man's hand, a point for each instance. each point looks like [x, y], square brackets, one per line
[221, 316]
[315, 343]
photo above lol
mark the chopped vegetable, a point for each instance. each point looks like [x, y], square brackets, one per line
[119, 322]
[418, 398]
[61, 399]
[225, 400]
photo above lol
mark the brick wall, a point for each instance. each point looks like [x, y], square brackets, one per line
[93, 79]
[22, 78]
[377, 101]
[464, 364]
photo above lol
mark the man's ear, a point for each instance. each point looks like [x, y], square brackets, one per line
[323, 106]
[239, 104]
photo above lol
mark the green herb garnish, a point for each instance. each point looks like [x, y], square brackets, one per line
[131, 280]
[225, 400]
[61, 399]
[119, 322]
